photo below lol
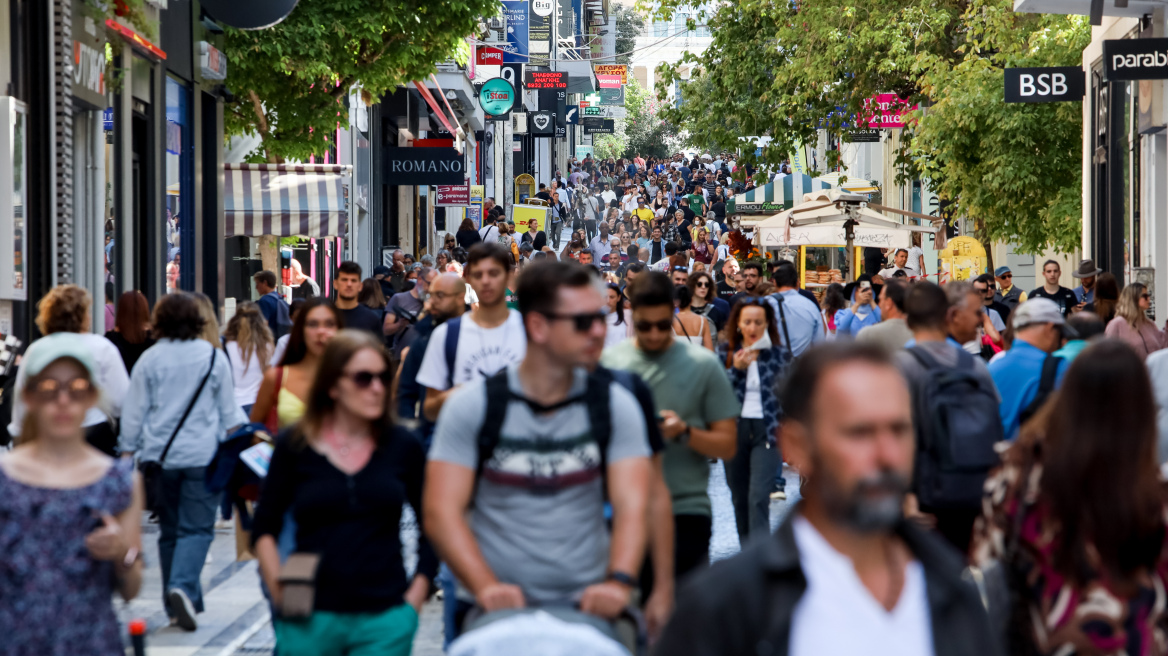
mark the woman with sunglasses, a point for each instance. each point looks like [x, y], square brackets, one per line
[755, 361]
[703, 250]
[1131, 323]
[705, 299]
[70, 522]
[450, 241]
[687, 324]
[284, 392]
[344, 473]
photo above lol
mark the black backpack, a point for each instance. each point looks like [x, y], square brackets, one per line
[595, 398]
[957, 426]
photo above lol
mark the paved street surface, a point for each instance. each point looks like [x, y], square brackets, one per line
[237, 620]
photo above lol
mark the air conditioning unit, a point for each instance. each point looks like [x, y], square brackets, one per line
[498, 23]
[519, 122]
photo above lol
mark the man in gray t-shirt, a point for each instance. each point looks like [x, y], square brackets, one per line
[529, 528]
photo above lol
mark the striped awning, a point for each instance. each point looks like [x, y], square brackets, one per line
[776, 196]
[286, 200]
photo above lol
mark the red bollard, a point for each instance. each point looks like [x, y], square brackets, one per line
[138, 636]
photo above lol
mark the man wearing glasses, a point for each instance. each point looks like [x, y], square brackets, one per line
[698, 412]
[1008, 294]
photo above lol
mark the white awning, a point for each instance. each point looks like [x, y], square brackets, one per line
[286, 200]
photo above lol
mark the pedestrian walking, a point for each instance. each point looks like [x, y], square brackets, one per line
[618, 319]
[131, 330]
[756, 361]
[344, 474]
[357, 316]
[1027, 373]
[800, 321]
[704, 299]
[284, 392]
[467, 235]
[65, 309]
[1087, 273]
[1007, 293]
[272, 305]
[1106, 298]
[248, 344]
[447, 294]
[862, 313]
[844, 574]
[1131, 324]
[180, 405]
[1074, 518]
[1064, 298]
[892, 333]
[687, 324]
[71, 514]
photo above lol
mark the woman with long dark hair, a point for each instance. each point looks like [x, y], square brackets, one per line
[370, 295]
[755, 361]
[704, 299]
[344, 473]
[1106, 297]
[284, 392]
[1077, 515]
[467, 235]
[131, 331]
[833, 301]
[619, 319]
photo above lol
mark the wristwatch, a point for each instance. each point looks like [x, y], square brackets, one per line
[624, 578]
[683, 437]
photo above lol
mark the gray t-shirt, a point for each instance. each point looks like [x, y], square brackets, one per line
[946, 354]
[891, 334]
[538, 512]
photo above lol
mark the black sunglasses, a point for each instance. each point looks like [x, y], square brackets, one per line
[1006, 275]
[363, 379]
[48, 389]
[664, 325]
[581, 322]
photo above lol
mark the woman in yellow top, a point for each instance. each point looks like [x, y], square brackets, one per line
[280, 401]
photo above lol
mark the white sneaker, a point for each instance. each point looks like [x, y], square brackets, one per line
[182, 609]
[779, 495]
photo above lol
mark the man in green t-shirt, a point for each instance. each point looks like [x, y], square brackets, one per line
[698, 410]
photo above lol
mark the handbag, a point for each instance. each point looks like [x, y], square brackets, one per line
[151, 470]
[298, 581]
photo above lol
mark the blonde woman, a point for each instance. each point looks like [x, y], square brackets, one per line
[1131, 323]
[210, 332]
[248, 344]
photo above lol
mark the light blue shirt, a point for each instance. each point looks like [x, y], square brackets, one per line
[1083, 295]
[804, 323]
[161, 387]
[850, 324]
[1017, 375]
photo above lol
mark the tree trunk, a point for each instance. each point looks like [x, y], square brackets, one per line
[269, 248]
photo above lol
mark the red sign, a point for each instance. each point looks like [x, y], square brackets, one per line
[451, 195]
[487, 56]
[885, 112]
[546, 80]
[609, 81]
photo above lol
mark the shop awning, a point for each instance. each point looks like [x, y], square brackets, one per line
[782, 194]
[286, 200]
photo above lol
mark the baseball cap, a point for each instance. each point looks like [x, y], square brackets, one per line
[381, 270]
[1041, 310]
[1002, 270]
[50, 348]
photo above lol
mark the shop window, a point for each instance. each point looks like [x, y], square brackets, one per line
[178, 229]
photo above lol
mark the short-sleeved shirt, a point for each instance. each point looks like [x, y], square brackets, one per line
[1064, 298]
[538, 512]
[480, 352]
[364, 317]
[690, 381]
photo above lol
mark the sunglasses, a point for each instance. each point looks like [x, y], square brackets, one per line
[702, 283]
[1145, 295]
[581, 322]
[50, 389]
[363, 379]
[1008, 275]
[664, 325]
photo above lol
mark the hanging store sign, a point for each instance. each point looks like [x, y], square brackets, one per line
[497, 97]
[539, 30]
[422, 166]
[88, 59]
[212, 63]
[608, 126]
[1135, 59]
[545, 80]
[609, 81]
[541, 123]
[592, 122]
[606, 112]
[516, 48]
[488, 56]
[885, 111]
[613, 97]
[451, 195]
[1043, 85]
[864, 136]
[612, 69]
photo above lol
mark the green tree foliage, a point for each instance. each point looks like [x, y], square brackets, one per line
[629, 25]
[785, 70]
[647, 132]
[290, 81]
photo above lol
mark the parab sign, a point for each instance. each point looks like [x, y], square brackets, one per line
[1042, 85]
[1135, 59]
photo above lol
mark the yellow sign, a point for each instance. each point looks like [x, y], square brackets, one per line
[964, 258]
[612, 69]
[526, 215]
[524, 187]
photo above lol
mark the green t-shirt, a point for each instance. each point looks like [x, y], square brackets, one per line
[690, 381]
[511, 299]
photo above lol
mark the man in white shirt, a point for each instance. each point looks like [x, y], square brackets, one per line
[900, 260]
[608, 194]
[629, 200]
[845, 573]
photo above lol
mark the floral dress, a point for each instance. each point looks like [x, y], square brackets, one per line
[1065, 619]
[55, 599]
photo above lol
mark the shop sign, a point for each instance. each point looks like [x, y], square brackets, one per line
[612, 69]
[545, 80]
[422, 166]
[212, 63]
[516, 48]
[609, 81]
[613, 97]
[488, 56]
[885, 112]
[571, 114]
[606, 112]
[452, 195]
[497, 97]
[88, 58]
[1043, 85]
[592, 122]
[539, 29]
[541, 123]
[1135, 59]
[864, 136]
[608, 126]
[107, 119]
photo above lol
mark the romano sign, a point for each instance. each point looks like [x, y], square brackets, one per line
[1135, 59]
[423, 166]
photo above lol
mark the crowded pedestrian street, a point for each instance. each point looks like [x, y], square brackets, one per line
[583, 328]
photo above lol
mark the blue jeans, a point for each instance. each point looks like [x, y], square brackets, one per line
[454, 610]
[186, 522]
[751, 475]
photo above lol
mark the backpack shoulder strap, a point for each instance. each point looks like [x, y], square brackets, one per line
[450, 346]
[597, 397]
[498, 398]
[1050, 367]
[925, 358]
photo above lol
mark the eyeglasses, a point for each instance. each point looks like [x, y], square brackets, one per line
[50, 389]
[664, 325]
[1006, 276]
[581, 322]
[363, 379]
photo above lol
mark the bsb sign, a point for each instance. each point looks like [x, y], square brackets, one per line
[1043, 85]
[1135, 59]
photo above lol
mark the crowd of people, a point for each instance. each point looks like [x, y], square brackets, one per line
[979, 467]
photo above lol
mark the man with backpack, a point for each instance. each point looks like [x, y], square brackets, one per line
[522, 460]
[955, 410]
[1028, 373]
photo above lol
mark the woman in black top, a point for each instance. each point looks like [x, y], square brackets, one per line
[467, 236]
[344, 473]
[131, 333]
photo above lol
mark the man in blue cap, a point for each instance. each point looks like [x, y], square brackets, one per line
[1008, 294]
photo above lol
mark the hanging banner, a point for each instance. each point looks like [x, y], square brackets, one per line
[516, 48]
[539, 30]
[609, 81]
[475, 211]
[451, 195]
[612, 69]
[885, 112]
[613, 96]
[798, 160]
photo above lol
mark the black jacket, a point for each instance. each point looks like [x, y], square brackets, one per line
[743, 606]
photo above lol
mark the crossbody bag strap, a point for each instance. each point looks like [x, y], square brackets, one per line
[783, 320]
[680, 323]
[190, 406]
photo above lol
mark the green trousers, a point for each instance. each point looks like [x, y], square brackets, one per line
[390, 633]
